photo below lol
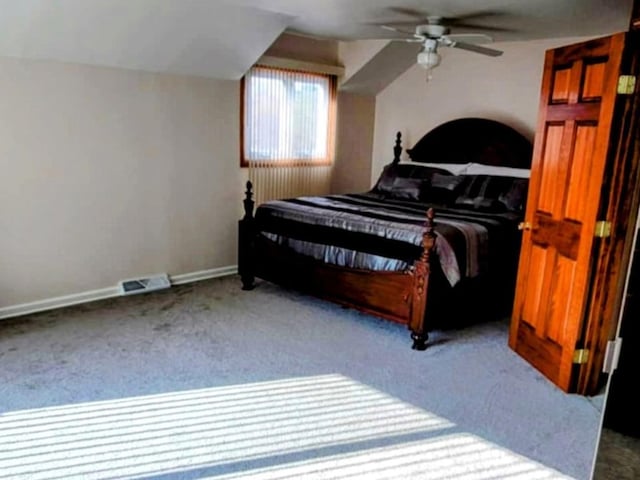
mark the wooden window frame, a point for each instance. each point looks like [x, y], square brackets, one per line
[331, 125]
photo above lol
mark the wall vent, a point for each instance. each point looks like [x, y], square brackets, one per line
[144, 284]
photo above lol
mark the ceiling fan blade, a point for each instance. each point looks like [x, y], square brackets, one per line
[413, 38]
[486, 28]
[474, 48]
[470, 26]
[454, 20]
[401, 23]
[410, 12]
[398, 30]
[471, 16]
[470, 37]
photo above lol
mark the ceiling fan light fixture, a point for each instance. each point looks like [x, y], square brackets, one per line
[429, 59]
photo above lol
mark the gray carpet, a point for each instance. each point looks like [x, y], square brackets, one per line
[176, 362]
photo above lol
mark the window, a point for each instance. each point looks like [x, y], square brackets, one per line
[288, 117]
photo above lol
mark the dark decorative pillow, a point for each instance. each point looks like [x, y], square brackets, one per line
[493, 193]
[385, 181]
[442, 189]
[516, 197]
[417, 170]
[403, 170]
[406, 188]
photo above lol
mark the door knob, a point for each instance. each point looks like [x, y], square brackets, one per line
[524, 226]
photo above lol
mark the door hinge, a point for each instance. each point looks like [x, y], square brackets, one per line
[603, 229]
[612, 355]
[581, 356]
[626, 84]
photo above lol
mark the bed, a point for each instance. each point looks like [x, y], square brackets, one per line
[433, 243]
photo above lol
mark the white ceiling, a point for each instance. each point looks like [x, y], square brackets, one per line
[529, 19]
[223, 38]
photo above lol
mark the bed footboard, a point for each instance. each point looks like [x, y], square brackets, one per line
[397, 296]
[246, 241]
[421, 272]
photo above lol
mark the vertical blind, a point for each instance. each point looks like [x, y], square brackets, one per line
[288, 131]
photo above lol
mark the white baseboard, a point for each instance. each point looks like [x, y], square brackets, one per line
[203, 275]
[57, 302]
[109, 292]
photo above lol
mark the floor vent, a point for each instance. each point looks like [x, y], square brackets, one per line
[144, 284]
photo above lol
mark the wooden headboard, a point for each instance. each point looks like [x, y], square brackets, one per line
[476, 140]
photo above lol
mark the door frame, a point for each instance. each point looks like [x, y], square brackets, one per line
[619, 205]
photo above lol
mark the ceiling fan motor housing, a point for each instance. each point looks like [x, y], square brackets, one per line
[433, 31]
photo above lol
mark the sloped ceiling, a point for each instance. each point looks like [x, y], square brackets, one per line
[223, 38]
[209, 38]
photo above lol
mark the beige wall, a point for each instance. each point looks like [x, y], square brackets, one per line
[504, 88]
[109, 174]
[354, 143]
[356, 53]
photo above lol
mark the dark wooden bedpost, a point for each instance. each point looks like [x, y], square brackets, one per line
[397, 149]
[246, 239]
[421, 269]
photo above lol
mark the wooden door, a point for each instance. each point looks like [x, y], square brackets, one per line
[571, 150]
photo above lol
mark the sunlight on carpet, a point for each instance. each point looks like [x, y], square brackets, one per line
[250, 431]
[459, 457]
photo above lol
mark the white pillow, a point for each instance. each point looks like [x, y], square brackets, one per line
[452, 168]
[481, 169]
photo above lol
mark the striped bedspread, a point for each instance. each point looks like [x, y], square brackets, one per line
[367, 231]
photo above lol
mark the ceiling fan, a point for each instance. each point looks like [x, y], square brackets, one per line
[433, 31]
